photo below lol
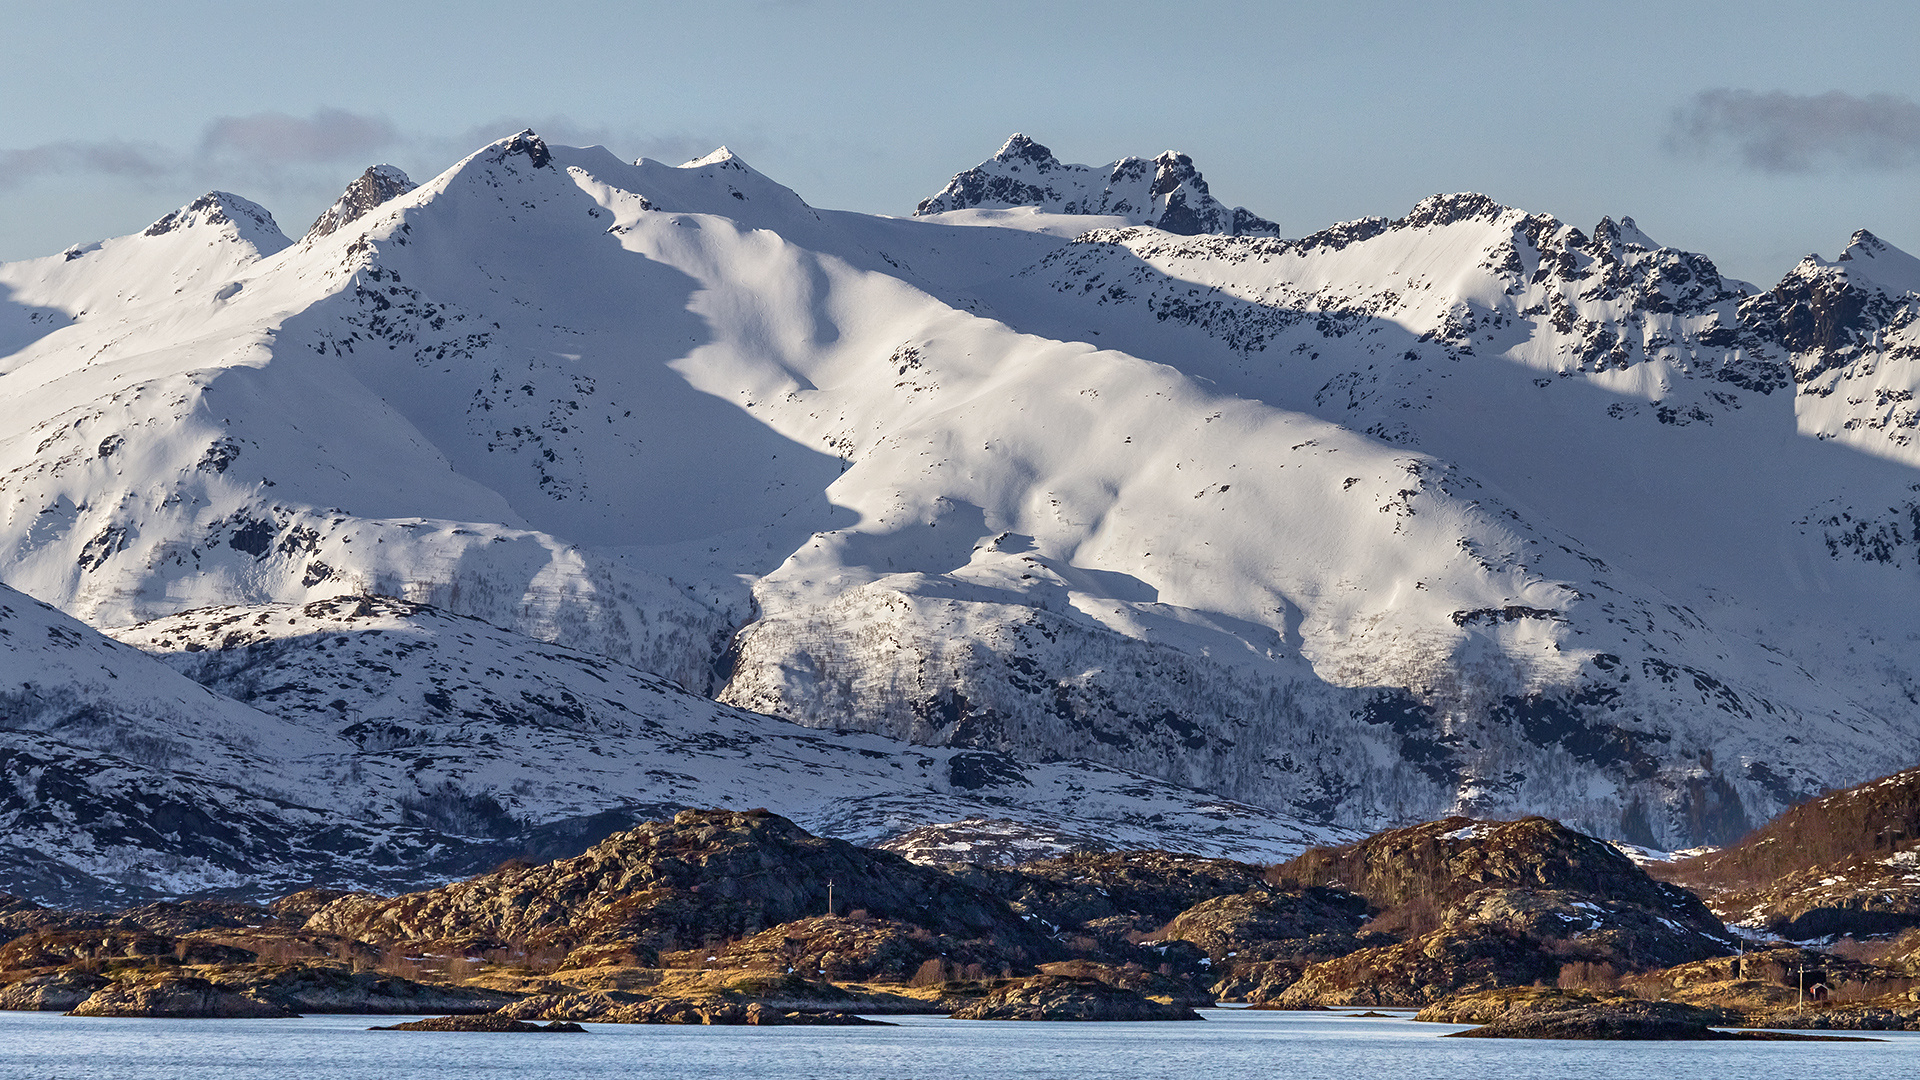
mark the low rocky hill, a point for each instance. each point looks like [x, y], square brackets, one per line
[1463, 905]
[1845, 863]
[703, 878]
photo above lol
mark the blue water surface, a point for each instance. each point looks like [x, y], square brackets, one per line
[1231, 1045]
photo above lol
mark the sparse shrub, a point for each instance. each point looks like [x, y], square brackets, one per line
[1585, 975]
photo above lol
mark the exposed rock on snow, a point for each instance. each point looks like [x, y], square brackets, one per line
[1166, 192]
[373, 187]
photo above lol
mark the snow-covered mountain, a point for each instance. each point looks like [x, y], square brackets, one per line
[1463, 510]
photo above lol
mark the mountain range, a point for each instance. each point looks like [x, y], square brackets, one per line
[1076, 508]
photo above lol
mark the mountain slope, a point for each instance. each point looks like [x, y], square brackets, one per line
[1458, 510]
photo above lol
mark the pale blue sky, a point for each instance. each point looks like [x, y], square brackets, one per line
[1305, 113]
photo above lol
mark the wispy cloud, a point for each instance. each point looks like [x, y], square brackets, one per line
[673, 147]
[268, 149]
[126, 160]
[1778, 132]
[275, 153]
[273, 139]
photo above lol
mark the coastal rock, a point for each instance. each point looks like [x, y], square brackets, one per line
[175, 996]
[482, 1022]
[326, 988]
[675, 1011]
[858, 949]
[55, 991]
[1516, 1003]
[1056, 997]
[1870, 1017]
[1254, 923]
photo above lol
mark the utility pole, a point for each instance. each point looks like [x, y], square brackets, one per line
[829, 896]
[1803, 984]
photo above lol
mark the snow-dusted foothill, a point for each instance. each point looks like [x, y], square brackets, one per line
[372, 743]
[1468, 509]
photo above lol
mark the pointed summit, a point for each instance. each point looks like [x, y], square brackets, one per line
[245, 220]
[373, 187]
[1167, 192]
[1892, 269]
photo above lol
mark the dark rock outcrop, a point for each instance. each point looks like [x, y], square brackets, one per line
[677, 1011]
[1057, 997]
[483, 1022]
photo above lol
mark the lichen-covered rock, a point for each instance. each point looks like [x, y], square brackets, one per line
[1849, 1017]
[1134, 978]
[1487, 1006]
[55, 991]
[857, 949]
[173, 995]
[1414, 973]
[1056, 997]
[1242, 925]
[329, 988]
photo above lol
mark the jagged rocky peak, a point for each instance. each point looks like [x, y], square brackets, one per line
[377, 185]
[1889, 267]
[249, 220]
[1827, 312]
[1166, 192]
[523, 142]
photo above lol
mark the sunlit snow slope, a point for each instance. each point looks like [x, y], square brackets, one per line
[1468, 509]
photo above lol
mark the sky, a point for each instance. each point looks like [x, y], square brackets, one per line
[1754, 132]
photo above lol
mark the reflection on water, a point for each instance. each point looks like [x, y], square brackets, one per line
[1232, 1045]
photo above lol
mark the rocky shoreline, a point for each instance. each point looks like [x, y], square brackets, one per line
[1526, 929]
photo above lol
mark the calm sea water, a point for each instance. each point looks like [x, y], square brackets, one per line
[1232, 1045]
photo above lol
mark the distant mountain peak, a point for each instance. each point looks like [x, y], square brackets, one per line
[524, 142]
[377, 185]
[250, 221]
[719, 156]
[1166, 192]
